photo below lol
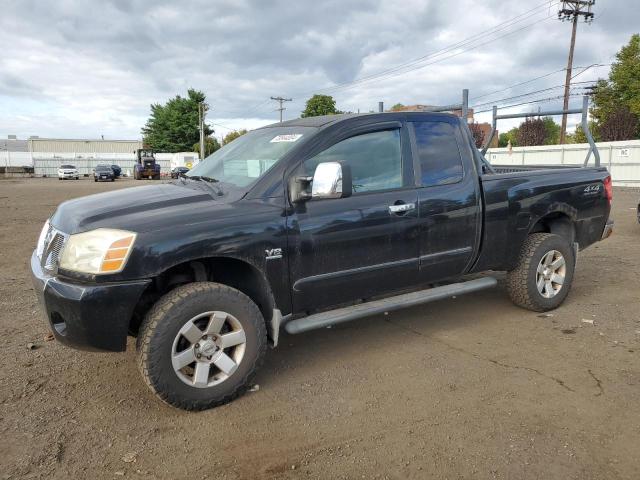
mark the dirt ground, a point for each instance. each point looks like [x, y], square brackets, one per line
[467, 388]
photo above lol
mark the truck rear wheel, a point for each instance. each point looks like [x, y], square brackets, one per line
[200, 345]
[542, 279]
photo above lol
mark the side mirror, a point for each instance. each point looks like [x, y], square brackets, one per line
[331, 180]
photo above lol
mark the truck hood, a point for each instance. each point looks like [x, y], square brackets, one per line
[140, 209]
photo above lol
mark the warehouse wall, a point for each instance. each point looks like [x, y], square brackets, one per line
[55, 145]
[621, 158]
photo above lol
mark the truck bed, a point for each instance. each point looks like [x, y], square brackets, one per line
[516, 197]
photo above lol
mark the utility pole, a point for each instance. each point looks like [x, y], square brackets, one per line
[571, 10]
[281, 100]
[201, 115]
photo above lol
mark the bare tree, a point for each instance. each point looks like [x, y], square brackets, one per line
[478, 134]
[532, 132]
[619, 125]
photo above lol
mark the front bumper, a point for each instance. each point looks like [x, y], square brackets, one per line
[68, 175]
[87, 317]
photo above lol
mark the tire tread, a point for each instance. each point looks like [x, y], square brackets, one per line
[517, 279]
[159, 311]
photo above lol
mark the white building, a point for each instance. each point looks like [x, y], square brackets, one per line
[46, 155]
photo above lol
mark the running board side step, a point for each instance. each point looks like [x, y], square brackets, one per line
[342, 315]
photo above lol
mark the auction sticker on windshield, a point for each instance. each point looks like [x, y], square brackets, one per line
[286, 138]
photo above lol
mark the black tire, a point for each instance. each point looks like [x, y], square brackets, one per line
[521, 281]
[162, 325]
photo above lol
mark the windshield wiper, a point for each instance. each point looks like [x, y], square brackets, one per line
[209, 180]
[202, 177]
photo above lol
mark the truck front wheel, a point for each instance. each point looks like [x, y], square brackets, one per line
[542, 278]
[200, 345]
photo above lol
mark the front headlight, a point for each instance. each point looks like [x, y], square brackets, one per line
[97, 252]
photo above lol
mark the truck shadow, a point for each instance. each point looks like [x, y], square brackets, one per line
[302, 353]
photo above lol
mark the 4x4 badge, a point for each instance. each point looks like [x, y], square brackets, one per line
[273, 253]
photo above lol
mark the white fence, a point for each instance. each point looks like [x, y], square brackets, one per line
[621, 158]
[15, 159]
[47, 164]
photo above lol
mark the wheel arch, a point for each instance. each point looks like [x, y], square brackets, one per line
[230, 271]
[558, 222]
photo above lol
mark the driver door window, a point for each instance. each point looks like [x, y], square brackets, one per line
[375, 160]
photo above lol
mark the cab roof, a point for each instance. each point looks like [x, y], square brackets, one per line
[326, 120]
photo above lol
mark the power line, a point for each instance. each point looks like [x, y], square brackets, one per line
[540, 77]
[499, 27]
[541, 100]
[527, 94]
[518, 84]
[391, 74]
[249, 111]
[419, 63]
[416, 63]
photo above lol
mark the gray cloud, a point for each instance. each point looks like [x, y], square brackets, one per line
[85, 68]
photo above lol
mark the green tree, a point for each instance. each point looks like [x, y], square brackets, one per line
[621, 92]
[580, 137]
[503, 138]
[320, 105]
[231, 136]
[173, 127]
[552, 131]
[397, 107]
[211, 144]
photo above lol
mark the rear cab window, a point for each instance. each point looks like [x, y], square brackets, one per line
[438, 152]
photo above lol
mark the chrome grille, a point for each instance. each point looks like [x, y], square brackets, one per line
[53, 243]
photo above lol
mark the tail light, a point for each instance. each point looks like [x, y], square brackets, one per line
[608, 189]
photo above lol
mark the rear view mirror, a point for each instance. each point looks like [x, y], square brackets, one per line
[331, 180]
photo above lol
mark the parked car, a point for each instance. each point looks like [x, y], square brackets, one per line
[103, 173]
[68, 171]
[301, 225]
[117, 171]
[177, 171]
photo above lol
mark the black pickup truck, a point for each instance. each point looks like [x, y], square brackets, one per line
[300, 225]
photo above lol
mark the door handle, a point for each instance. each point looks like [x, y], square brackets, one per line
[402, 208]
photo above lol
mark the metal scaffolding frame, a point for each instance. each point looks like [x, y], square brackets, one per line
[585, 126]
[463, 106]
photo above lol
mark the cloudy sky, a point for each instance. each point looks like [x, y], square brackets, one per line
[71, 68]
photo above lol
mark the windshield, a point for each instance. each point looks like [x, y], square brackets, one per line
[67, 166]
[247, 158]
